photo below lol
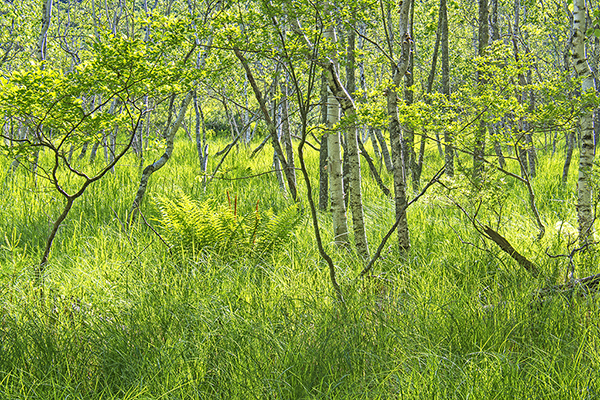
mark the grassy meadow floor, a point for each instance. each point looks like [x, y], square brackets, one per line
[125, 318]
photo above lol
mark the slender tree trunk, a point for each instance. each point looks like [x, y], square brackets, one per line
[430, 79]
[334, 167]
[479, 145]
[570, 145]
[585, 216]
[201, 145]
[495, 128]
[495, 131]
[387, 159]
[345, 169]
[94, 152]
[373, 169]
[334, 160]
[356, 204]
[83, 150]
[531, 153]
[399, 185]
[158, 164]
[524, 138]
[408, 139]
[276, 163]
[41, 56]
[323, 174]
[42, 40]
[113, 146]
[448, 136]
[398, 72]
[278, 173]
[323, 171]
[286, 135]
[375, 144]
[363, 86]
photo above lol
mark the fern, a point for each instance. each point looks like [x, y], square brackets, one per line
[199, 226]
[277, 229]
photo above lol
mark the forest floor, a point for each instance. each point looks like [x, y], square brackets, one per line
[123, 315]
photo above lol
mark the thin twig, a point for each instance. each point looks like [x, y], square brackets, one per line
[571, 270]
[154, 230]
[251, 176]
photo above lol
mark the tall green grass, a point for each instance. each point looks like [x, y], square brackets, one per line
[123, 317]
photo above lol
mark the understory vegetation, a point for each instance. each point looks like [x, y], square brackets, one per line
[129, 311]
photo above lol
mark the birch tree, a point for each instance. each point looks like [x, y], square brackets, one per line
[162, 160]
[398, 70]
[585, 216]
[480, 133]
[448, 148]
[334, 156]
[356, 203]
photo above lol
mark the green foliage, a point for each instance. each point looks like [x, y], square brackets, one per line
[193, 227]
[594, 30]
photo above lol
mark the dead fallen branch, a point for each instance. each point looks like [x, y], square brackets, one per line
[507, 248]
[500, 240]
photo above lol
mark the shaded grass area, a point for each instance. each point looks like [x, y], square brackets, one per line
[125, 317]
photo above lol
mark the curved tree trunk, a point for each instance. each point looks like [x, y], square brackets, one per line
[158, 164]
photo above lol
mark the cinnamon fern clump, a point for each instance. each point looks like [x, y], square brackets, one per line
[193, 226]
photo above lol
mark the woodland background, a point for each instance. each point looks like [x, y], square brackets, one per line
[282, 199]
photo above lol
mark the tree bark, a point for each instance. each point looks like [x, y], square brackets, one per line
[448, 136]
[408, 139]
[323, 172]
[356, 204]
[398, 71]
[201, 145]
[334, 157]
[387, 159]
[158, 164]
[585, 216]
[479, 145]
[43, 39]
[286, 136]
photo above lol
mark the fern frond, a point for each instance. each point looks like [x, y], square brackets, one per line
[193, 226]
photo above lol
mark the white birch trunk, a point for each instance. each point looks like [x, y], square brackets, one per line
[42, 40]
[353, 157]
[398, 71]
[334, 161]
[585, 216]
[480, 134]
